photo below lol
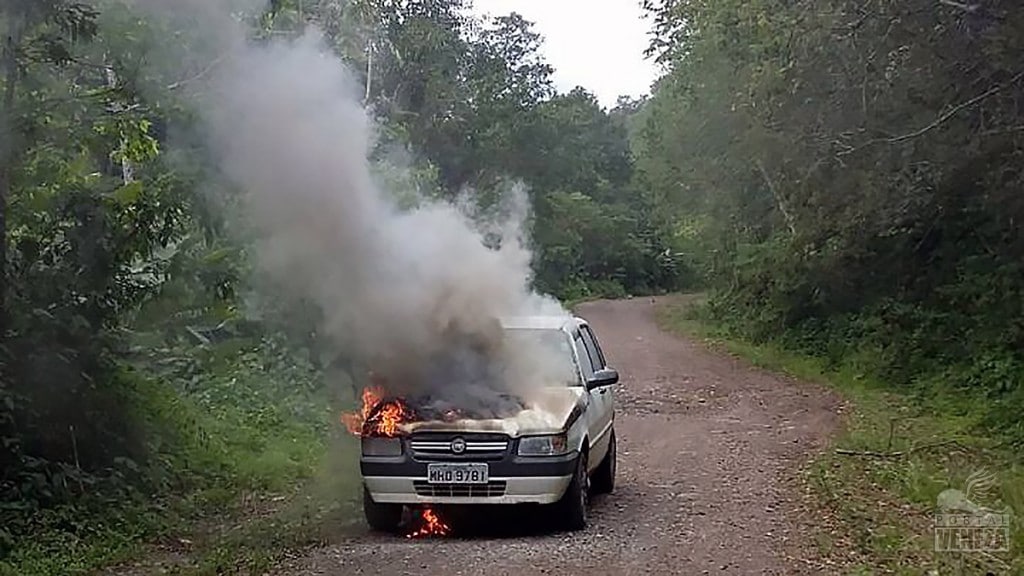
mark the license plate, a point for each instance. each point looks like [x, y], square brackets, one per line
[457, 473]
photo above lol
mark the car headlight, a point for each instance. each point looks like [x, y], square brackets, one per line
[554, 445]
[380, 446]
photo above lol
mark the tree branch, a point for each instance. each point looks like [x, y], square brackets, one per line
[961, 5]
[954, 111]
[779, 201]
[202, 73]
[940, 120]
[1008, 130]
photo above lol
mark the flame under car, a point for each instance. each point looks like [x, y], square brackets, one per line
[555, 451]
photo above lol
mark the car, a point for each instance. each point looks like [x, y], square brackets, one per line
[557, 461]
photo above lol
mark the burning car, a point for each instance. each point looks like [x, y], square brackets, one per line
[551, 443]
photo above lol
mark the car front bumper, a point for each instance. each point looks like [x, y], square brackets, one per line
[522, 490]
[512, 480]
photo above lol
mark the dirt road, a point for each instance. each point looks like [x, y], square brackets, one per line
[707, 448]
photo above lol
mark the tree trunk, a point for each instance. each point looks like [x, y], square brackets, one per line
[7, 144]
[369, 73]
[127, 171]
[780, 202]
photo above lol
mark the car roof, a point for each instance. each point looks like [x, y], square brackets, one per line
[541, 322]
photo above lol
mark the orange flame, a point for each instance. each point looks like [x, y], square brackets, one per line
[354, 421]
[430, 525]
[387, 419]
[377, 416]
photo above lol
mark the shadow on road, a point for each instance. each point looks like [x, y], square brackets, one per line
[496, 522]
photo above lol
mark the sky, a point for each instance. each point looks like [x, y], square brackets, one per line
[597, 44]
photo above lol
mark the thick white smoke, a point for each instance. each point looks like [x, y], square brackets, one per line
[412, 293]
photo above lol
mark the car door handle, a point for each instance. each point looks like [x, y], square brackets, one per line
[603, 391]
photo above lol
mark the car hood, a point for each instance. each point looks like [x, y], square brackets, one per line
[548, 412]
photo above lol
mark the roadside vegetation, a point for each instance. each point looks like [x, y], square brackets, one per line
[843, 178]
[157, 402]
[874, 492]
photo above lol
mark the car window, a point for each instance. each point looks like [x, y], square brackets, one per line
[548, 346]
[596, 357]
[585, 364]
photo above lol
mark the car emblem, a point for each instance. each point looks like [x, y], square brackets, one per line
[458, 446]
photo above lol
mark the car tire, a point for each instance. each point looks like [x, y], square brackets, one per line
[572, 508]
[604, 476]
[381, 517]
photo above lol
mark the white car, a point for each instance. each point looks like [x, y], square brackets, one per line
[557, 461]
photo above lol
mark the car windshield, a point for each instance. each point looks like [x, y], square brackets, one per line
[549, 350]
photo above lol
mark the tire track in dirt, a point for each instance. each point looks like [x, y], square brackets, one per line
[707, 451]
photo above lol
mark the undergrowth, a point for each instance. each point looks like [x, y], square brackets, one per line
[227, 425]
[897, 451]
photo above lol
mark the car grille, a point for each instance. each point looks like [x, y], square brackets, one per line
[492, 489]
[438, 446]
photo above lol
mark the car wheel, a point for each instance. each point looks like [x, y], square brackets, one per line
[381, 517]
[604, 476]
[573, 505]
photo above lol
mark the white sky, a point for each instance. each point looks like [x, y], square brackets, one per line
[597, 44]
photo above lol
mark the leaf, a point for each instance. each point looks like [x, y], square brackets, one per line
[128, 194]
[219, 255]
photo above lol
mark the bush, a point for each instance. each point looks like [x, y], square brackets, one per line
[952, 358]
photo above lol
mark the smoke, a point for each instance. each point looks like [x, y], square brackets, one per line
[412, 293]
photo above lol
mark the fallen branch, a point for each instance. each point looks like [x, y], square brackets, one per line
[897, 454]
[869, 453]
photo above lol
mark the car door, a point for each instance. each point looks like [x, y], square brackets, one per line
[593, 411]
[603, 399]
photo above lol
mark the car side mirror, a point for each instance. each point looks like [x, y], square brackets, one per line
[602, 378]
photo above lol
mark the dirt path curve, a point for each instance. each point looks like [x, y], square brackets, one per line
[706, 454]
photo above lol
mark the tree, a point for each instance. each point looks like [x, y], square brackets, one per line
[37, 33]
[80, 237]
[848, 167]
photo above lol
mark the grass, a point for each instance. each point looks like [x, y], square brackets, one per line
[260, 532]
[247, 463]
[900, 454]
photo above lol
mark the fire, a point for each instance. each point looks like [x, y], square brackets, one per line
[387, 418]
[430, 525]
[379, 415]
[354, 421]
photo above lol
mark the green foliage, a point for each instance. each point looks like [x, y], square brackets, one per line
[877, 513]
[846, 186]
[103, 234]
[81, 242]
[239, 416]
[143, 381]
[839, 173]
